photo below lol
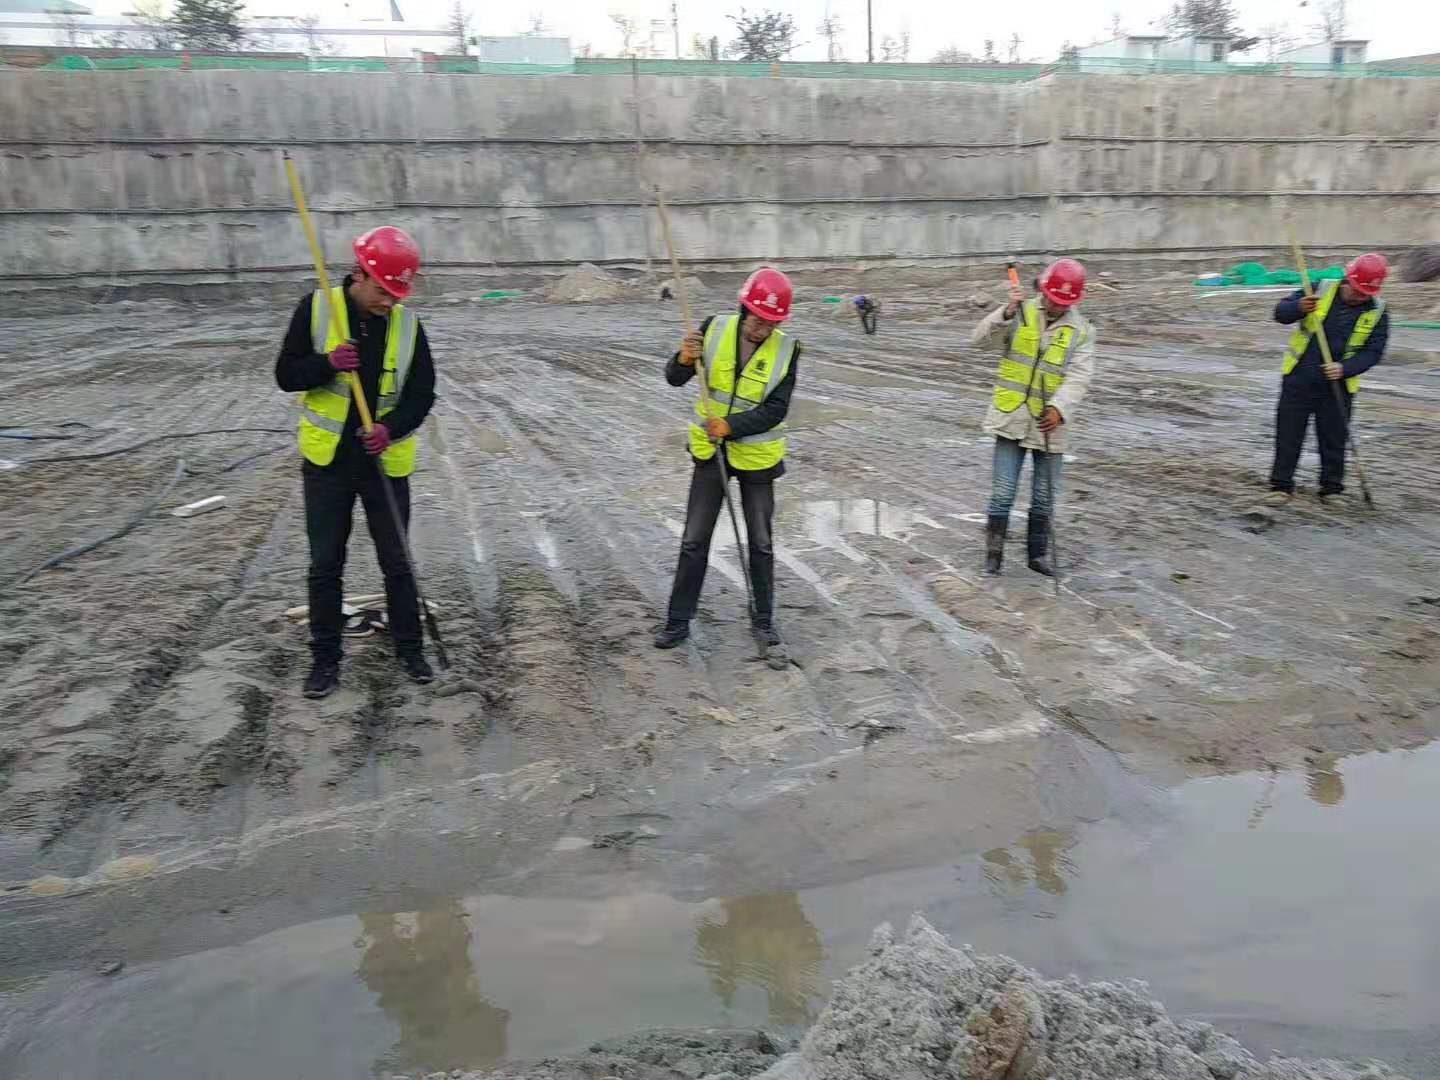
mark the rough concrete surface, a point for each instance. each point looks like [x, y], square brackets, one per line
[104, 180]
[164, 786]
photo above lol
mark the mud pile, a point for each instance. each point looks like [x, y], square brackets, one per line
[585, 283]
[922, 1009]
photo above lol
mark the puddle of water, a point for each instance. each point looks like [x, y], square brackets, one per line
[1299, 911]
[829, 521]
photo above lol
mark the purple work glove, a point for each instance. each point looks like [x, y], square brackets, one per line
[376, 440]
[345, 358]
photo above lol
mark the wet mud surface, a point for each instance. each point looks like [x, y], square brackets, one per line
[165, 789]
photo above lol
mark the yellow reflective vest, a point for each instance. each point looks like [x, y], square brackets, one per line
[1313, 323]
[766, 370]
[323, 410]
[1026, 376]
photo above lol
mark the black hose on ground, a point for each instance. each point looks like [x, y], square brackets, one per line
[81, 549]
[158, 438]
[238, 462]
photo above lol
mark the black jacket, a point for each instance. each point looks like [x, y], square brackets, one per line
[1339, 322]
[299, 368]
[768, 414]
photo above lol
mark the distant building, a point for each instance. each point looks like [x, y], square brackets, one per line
[378, 30]
[1336, 53]
[42, 7]
[526, 49]
[1124, 47]
[1123, 53]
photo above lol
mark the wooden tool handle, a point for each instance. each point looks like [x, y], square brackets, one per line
[357, 392]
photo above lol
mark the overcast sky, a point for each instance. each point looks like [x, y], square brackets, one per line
[1394, 27]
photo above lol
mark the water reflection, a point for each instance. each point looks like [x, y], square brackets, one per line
[768, 942]
[418, 966]
[1045, 861]
[1323, 782]
[827, 521]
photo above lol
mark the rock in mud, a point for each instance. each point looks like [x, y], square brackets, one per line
[922, 1009]
[585, 283]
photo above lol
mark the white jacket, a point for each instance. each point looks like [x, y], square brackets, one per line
[994, 330]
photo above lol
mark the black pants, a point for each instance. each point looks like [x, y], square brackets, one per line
[329, 512]
[1298, 403]
[702, 510]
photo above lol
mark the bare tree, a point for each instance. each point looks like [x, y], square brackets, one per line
[1330, 19]
[1277, 39]
[990, 57]
[68, 30]
[629, 29]
[1014, 53]
[1214, 17]
[831, 30]
[952, 54]
[155, 28]
[458, 26]
[889, 50]
[315, 45]
[535, 25]
[769, 35]
[905, 45]
[208, 24]
[1116, 30]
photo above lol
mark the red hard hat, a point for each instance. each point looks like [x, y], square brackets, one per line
[391, 257]
[1366, 273]
[768, 294]
[1063, 282]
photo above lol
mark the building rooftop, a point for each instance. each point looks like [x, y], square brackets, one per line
[42, 7]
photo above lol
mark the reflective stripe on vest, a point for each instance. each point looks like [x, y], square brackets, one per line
[1023, 371]
[766, 370]
[324, 409]
[1314, 322]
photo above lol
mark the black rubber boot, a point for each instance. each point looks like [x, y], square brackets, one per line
[1037, 540]
[996, 528]
[671, 634]
[323, 679]
[417, 668]
[769, 640]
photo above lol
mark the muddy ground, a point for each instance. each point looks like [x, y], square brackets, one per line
[164, 787]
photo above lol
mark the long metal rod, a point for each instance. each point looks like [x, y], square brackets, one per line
[1334, 383]
[682, 295]
[367, 422]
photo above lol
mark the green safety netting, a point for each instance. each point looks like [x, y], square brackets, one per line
[974, 72]
[1254, 274]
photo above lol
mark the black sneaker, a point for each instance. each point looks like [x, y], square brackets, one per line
[671, 634]
[323, 679]
[418, 669]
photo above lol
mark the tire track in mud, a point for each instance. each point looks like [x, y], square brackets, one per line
[835, 691]
[146, 753]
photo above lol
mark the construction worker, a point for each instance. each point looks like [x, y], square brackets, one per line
[1357, 329]
[385, 345]
[750, 364]
[1045, 370]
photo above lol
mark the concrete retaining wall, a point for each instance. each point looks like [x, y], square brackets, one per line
[177, 176]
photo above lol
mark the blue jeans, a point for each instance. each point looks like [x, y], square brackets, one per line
[1005, 478]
